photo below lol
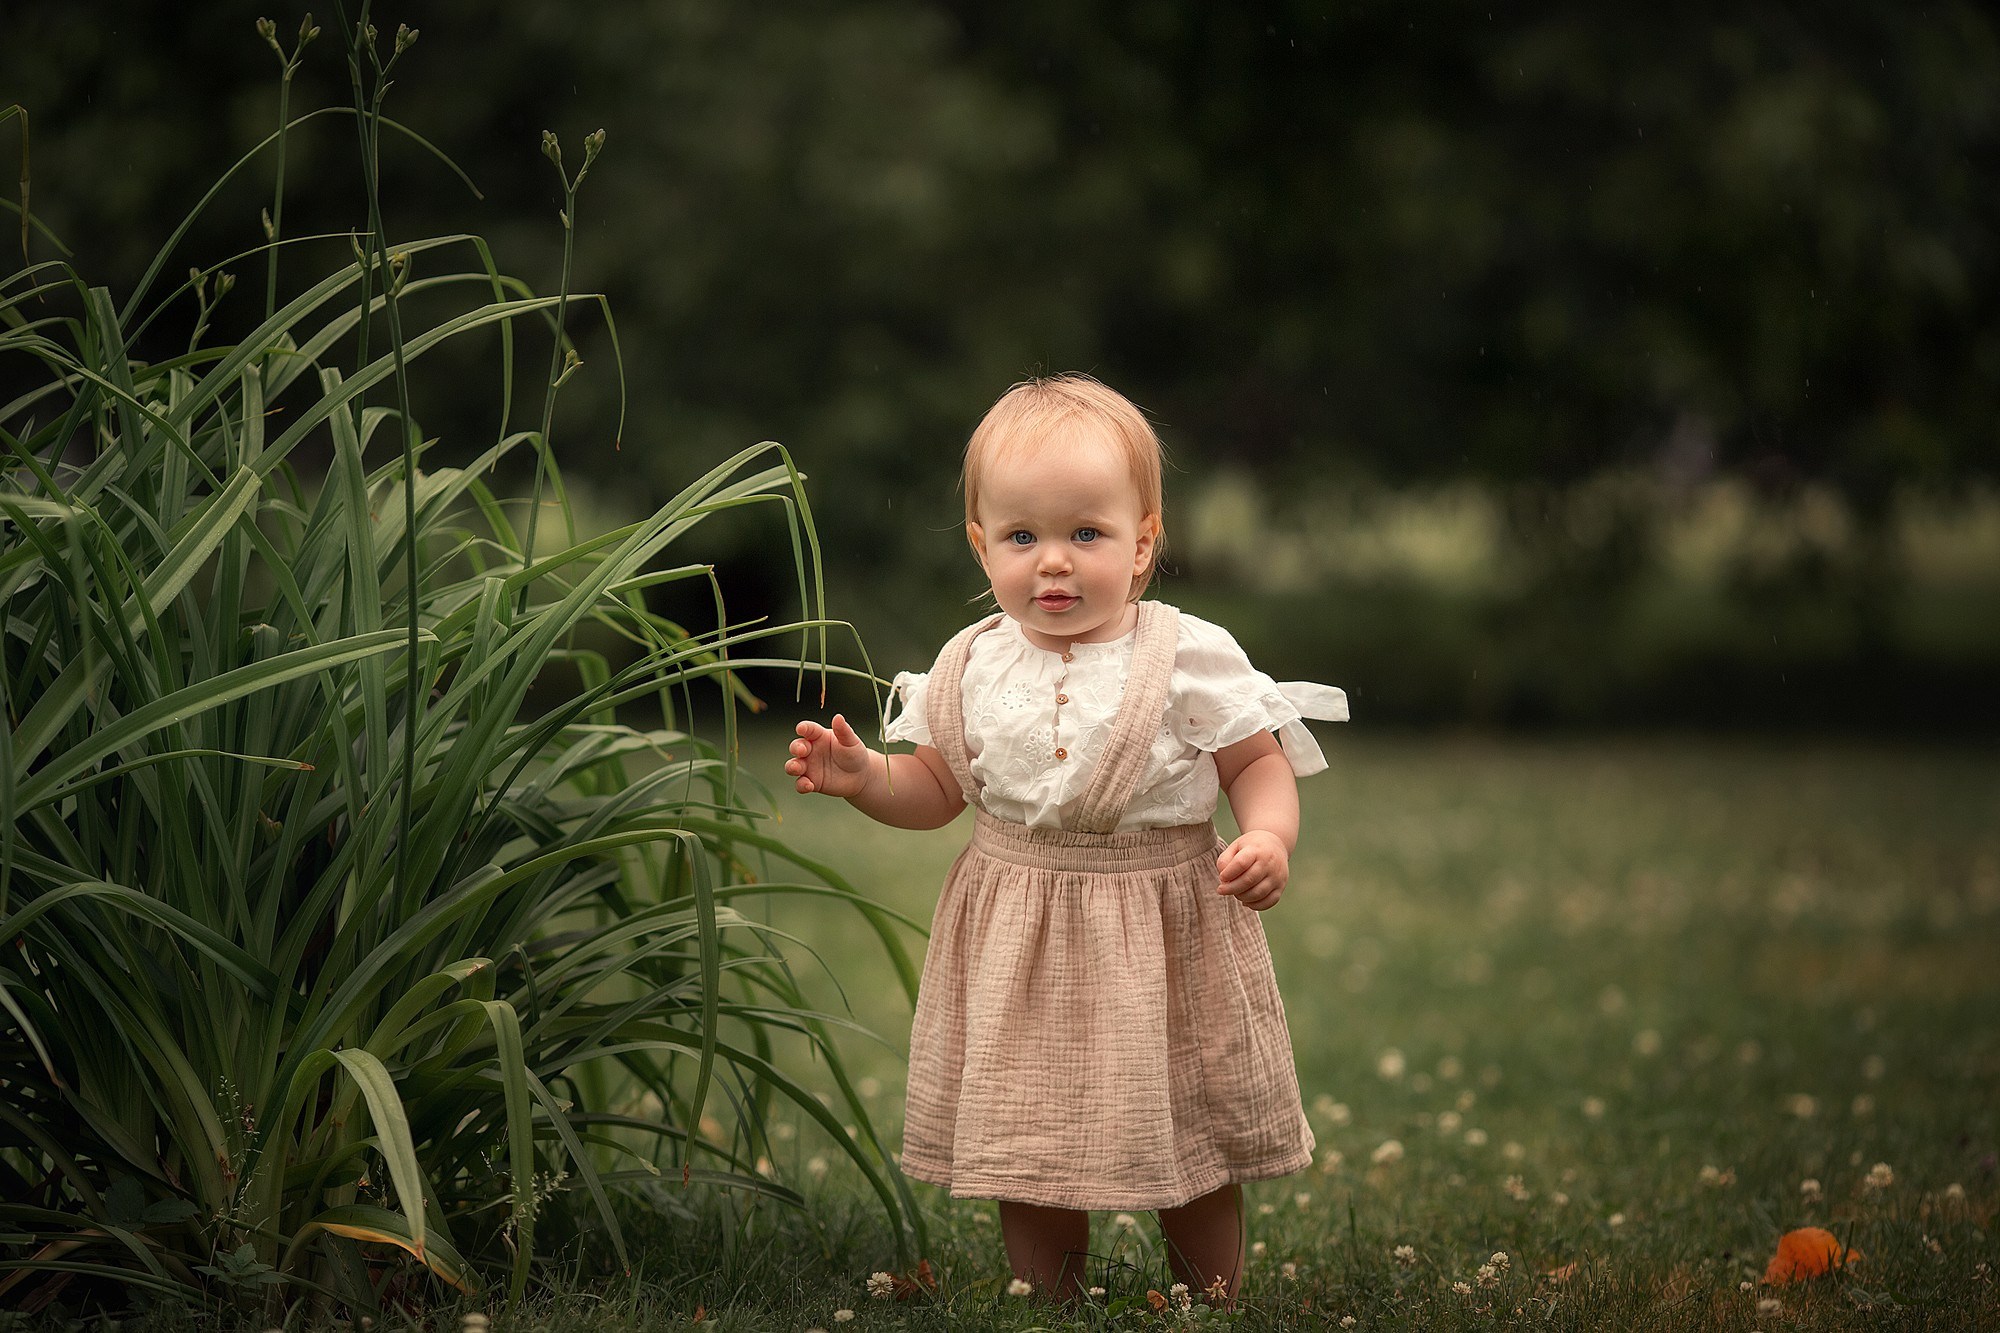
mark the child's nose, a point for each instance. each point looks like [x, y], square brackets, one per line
[1055, 556]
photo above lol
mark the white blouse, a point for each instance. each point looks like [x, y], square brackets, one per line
[1033, 758]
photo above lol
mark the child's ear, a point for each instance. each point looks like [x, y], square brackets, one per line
[1149, 536]
[976, 537]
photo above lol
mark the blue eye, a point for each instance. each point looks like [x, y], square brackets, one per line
[1085, 535]
[1021, 538]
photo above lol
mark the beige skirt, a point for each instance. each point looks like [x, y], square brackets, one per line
[1097, 1027]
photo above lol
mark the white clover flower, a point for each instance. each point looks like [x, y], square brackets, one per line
[1448, 1122]
[1467, 1098]
[1475, 1138]
[1955, 1192]
[868, 1086]
[1180, 1296]
[843, 1316]
[1302, 1200]
[1406, 1255]
[1517, 1189]
[1266, 1209]
[1646, 1042]
[1615, 1220]
[1715, 1177]
[1125, 1221]
[1488, 1276]
[1097, 1293]
[1559, 1199]
[1746, 1285]
[1330, 1160]
[1874, 1067]
[816, 1166]
[1803, 1105]
[1450, 1069]
[1462, 1287]
[1769, 1306]
[1020, 1287]
[1810, 1190]
[1512, 1151]
[1389, 1152]
[1257, 1249]
[881, 1286]
[1391, 1064]
[1593, 1107]
[1863, 1106]
[1500, 1260]
[1289, 1272]
[1348, 1321]
[1880, 1177]
[784, 1131]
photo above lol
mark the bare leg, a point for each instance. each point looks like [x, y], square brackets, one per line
[1205, 1242]
[1046, 1246]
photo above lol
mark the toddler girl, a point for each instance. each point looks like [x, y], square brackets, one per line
[1097, 1025]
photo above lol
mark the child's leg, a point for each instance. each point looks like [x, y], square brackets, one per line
[1046, 1246]
[1205, 1241]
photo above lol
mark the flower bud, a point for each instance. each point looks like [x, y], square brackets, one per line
[551, 149]
[406, 37]
[307, 31]
[593, 144]
[269, 32]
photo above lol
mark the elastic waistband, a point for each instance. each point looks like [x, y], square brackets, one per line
[1061, 849]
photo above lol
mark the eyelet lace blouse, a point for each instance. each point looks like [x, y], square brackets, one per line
[1035, 722]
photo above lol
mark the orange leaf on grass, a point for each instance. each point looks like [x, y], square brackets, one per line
[1805, 1253]
[1154, 1299]
[920, 1281]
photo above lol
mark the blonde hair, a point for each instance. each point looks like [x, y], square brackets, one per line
[1037, 411]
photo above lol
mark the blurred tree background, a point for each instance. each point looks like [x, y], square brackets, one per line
[1550, 364]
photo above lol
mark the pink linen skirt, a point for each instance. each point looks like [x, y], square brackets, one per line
[1097, 1027]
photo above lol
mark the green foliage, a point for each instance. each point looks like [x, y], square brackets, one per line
[364, 892]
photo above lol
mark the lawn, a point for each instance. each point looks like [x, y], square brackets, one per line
[1623, 1010]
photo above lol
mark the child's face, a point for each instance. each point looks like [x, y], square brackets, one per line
[1061, 534]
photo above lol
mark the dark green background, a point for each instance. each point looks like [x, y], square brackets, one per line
[1359, 249]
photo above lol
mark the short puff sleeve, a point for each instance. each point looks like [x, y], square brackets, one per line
[908, 719]
[1218, 698]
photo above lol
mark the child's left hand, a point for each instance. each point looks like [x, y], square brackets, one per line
[1255, 869]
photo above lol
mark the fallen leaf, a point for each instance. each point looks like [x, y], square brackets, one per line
[1157, 1301]
[1562, 1274]
[922, 1280]
[1807, 1252]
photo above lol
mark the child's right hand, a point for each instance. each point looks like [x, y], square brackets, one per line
[830, 761]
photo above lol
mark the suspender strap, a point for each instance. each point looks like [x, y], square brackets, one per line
[1129, 747]
[944, 706]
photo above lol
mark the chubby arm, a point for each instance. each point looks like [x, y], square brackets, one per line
[1265, 800]
[900, 790]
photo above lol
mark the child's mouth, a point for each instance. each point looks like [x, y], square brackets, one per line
[1055, 601]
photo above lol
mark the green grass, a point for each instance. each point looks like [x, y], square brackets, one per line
[1607, 966]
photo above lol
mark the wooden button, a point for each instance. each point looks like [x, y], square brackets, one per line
[1069, 657]
[1061, 753]
[1062, 698]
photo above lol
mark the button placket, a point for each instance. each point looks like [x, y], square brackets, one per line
[1062, 697]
